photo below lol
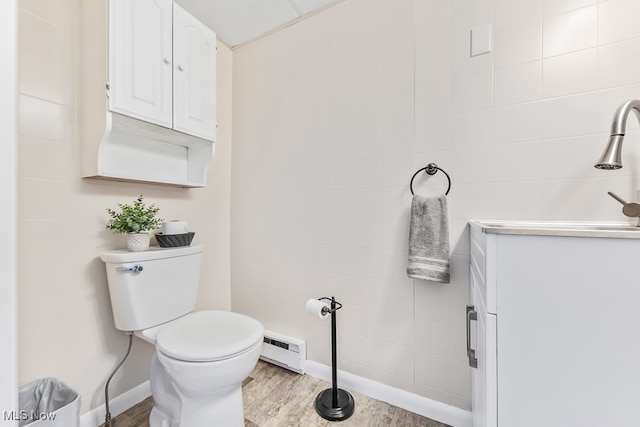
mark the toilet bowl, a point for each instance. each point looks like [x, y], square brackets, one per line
[201, 357]
[199, 365]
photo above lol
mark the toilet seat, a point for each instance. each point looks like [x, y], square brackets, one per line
[208, 336]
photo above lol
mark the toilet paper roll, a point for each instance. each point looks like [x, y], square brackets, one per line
[315, 306]
[174, 226]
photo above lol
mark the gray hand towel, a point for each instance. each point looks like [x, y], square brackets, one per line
[429, 239]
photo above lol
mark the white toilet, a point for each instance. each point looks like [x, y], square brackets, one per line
[201, 357]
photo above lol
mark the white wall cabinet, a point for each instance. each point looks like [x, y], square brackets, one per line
[162, 66]
[156, 120]
[194, 76]
[554, 324]
[141, 60]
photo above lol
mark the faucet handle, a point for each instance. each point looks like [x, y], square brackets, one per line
[629, 209]
[615, 196]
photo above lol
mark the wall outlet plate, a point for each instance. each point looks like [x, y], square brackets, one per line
[480, 40]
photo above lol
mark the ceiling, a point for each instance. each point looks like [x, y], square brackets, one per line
[238, 21]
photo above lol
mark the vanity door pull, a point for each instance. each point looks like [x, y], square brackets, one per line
[471, 353]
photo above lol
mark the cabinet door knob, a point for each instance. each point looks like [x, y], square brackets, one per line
[180, 68]
[166, 61]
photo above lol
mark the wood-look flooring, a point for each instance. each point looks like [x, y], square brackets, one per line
[276, 397]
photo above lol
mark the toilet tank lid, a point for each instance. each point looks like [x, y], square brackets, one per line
[209, 335]
[154, 252]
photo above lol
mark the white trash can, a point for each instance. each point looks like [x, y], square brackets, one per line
[48, 402]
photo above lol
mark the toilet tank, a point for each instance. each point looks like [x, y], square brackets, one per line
[152, 287]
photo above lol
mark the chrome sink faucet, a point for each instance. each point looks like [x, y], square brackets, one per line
[611, 158]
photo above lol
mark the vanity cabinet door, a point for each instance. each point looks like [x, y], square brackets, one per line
[482, 329]
[567, 342]
[140, 59]
[194, 97]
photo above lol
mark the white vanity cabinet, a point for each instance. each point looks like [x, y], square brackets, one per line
[554, 327]
[148, 92]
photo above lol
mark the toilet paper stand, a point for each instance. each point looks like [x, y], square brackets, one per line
[334, 404]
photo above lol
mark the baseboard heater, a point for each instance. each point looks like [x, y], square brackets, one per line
[287, 352]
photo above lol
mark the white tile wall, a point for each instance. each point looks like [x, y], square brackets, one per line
[570, 31]
[554, 7]
[617, 20]
[474, 129]
[517, 123]
[571, 74]
[613, 65]
[518, 83]
[517, 32]
[65, 322]
[394, 88]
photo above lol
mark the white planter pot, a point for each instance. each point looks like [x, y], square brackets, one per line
[137, 242]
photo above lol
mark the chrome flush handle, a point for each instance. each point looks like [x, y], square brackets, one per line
[135, 269]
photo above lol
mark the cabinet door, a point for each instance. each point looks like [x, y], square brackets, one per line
[484, 392]
[194, 85]
[140, 57]
[568, 343]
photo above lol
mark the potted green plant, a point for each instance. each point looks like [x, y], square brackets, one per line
[135, 220]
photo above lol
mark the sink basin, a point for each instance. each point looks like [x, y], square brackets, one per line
[566, 228]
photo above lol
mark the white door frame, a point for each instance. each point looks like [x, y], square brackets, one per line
[8, 216]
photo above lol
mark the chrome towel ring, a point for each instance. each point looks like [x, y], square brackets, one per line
[430, 169]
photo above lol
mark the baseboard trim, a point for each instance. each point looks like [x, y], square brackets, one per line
[420, 405]
[117, 405]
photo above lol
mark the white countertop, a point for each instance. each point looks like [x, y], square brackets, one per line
[619, 230]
